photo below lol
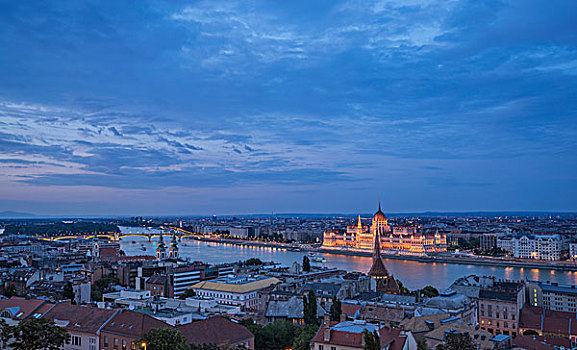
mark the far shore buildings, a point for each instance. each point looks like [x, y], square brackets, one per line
[393, 240]
[538, 246]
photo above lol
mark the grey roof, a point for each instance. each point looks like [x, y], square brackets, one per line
[556, 288]
[355, 327]
[453, 301]
[291, 309]
[322, 289]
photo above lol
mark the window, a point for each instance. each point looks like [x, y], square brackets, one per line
[105, 341]
[92, 344]
[321, 347]
[333, 348]
[76, 340]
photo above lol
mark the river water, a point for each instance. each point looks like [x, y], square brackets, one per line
[413, 274]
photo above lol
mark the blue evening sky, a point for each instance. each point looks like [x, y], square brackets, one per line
[222, 107]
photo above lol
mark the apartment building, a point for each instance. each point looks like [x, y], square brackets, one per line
[541, 247]
[499, 307]
[552, 296]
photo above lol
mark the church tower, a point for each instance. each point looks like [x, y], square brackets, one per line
[161, 248]
[378, 271]
[173, 250]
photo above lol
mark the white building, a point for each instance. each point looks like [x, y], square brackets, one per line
[573, 251]
[239, 291]
[541, 247]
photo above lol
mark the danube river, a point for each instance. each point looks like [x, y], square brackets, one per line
[413, 274]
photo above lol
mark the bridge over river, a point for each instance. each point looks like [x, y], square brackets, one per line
[126, 232]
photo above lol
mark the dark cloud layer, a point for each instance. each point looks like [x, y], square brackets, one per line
[437, 105]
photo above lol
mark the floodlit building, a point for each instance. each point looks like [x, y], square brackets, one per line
[541, 247]
[394, 240]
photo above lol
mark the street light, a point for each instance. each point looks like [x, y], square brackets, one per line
[143, 345]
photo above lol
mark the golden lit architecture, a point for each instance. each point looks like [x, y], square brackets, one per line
[406, 240]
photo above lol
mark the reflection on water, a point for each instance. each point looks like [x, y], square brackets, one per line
[413, 274]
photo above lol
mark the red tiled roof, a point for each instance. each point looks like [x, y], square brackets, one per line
[349, 309]
[216, 330]
[24, 307]
[108, 252]
[80, 318]
[390, 336]
[549, 321]
[133, 324]
[537, 342]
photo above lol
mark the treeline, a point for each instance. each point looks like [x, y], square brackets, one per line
[60, 228]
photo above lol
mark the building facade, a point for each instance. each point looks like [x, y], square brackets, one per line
[500, 306]
[552, 296]
[237, 291]
[394, 240]
[540, 247]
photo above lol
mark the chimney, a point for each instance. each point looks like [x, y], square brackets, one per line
[327, 333]
[327, 318]
[343, 318]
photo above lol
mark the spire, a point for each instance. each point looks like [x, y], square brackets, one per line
[359, 224]
[378, 268]
[379, 205]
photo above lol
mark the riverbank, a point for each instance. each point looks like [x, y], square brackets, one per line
[461, 260]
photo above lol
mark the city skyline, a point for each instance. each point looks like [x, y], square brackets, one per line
[201, 108]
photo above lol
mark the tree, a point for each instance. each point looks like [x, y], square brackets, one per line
[253, 262]
[372, 340]
[5, 334]
[275, 336]
[10, 291]
[187, 294]
[457, 341]
[430, 292]
[36, 334]
[310, 308]
[306, 264]
[402, 289]
[163, 339]
[251, 325]
[422, 344]
[303, 337]
[68, 293]
[336, 310]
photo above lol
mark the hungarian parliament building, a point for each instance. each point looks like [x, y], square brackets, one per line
[405, 240]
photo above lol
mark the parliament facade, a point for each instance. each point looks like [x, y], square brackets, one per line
[406, 240]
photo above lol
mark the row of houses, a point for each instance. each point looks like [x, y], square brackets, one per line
[93, 328]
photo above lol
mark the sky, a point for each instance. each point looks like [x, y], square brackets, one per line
[236, 107]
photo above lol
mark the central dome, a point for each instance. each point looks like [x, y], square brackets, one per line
[379, 215]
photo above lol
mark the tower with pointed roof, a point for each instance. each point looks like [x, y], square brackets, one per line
[385, 282]
[173, 250]
[161, 249]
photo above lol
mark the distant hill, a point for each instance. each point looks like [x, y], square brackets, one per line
[15, 215]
